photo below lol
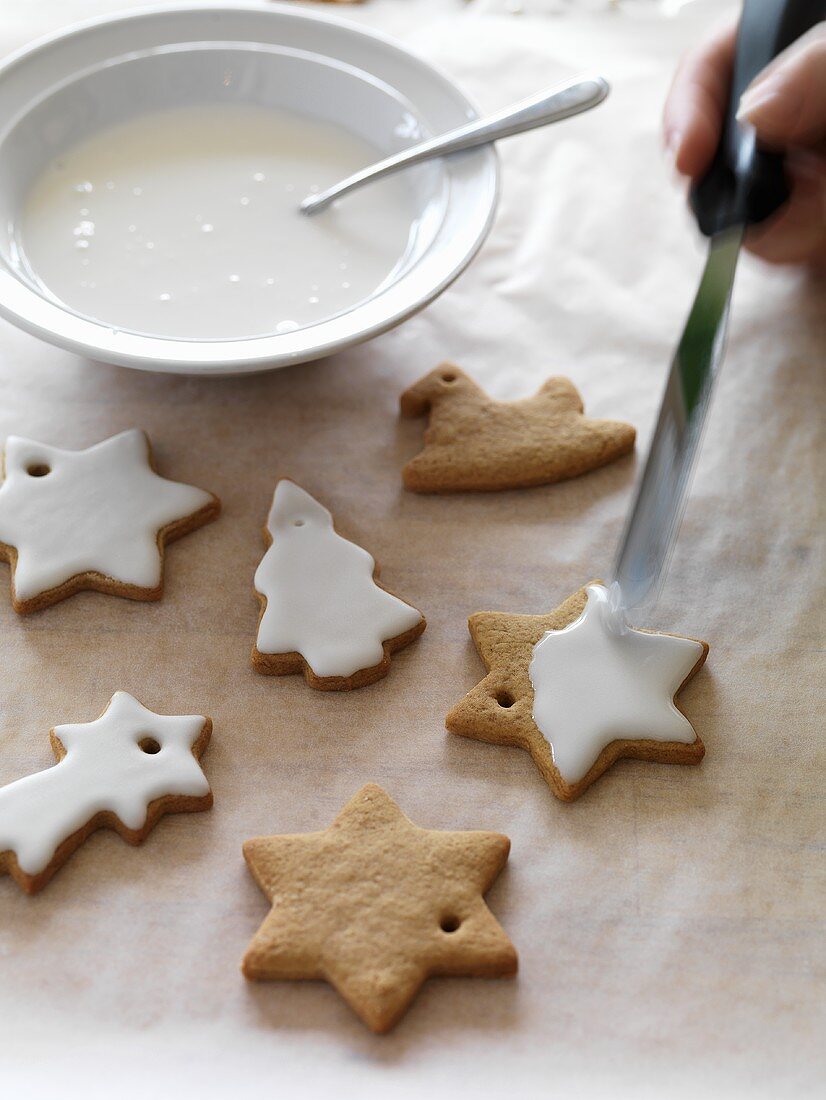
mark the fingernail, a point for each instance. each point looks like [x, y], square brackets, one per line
[755, 98]
[673, 141]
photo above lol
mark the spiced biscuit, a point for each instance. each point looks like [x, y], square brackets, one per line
[94, 519]
[123, 771]
[578, 688]
[374, 905]
[474, 443]
[323, 611]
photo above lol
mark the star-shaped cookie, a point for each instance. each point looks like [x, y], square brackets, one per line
[476, 443]
[374, 905]
[579, 689]
[94, 519]
[123, 771]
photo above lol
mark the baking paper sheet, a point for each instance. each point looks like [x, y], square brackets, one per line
[670, 923]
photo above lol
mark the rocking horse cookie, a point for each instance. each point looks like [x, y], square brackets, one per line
[94, 519]
[123, 771]
[323, 611]
[474, 443]
[579, 689]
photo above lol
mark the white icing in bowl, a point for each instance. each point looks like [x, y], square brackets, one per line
[183, 222]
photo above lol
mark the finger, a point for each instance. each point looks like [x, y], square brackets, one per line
[786, 104]
[797, 234]
[693, 114]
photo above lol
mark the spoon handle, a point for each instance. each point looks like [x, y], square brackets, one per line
[552, 105]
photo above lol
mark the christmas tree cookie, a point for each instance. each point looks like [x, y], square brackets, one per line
[579, 689]
[95, 519]
[375, 905]
[122, 772]
[476, 443]
[323, 611]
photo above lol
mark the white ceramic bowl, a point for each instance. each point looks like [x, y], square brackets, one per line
[63, 88]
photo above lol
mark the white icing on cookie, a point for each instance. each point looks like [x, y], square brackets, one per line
[98, 510]
[322, 601]
[598, 681]
[104, 768]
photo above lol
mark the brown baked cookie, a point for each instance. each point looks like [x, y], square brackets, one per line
[123, 771]
[579, 689]
[374, 905]
[323, 611]
[476, 443]
[95, 519]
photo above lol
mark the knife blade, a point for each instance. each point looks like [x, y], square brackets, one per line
[744, 185]
[655, 516]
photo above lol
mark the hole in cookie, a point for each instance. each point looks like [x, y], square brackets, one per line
[449, 378]
[38, 469]
[504, 699]
[149, 745]
[449, 923]
[298, 523]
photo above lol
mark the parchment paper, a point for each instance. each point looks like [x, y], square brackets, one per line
[670, 923]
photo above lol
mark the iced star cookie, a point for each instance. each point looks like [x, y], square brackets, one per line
[323, 611]
[95, 519]
[375, 905]
[476, 443]
[123, 771]
[579, 689]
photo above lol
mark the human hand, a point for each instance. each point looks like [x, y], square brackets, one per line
[786, 104]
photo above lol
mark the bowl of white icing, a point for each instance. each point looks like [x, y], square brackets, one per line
[151, 167]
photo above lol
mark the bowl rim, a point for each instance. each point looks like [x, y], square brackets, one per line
[54, 323]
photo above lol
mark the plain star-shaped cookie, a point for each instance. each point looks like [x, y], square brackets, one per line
[579, 689]
[475, 443]
[93, 519]
[374, 905]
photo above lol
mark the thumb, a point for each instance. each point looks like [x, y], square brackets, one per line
[786, 104]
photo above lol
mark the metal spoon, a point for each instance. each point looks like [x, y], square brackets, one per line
[552, 105]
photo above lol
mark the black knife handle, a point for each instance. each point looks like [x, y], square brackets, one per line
[744, 184]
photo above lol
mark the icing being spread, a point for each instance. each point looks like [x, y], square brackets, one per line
[598, 680]
[104, 769]
[98, 510]
[322, 601]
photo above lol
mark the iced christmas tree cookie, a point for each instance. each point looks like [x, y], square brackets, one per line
[579, 689]
[95, 519]
[122, 772]
[375, 905]
[476, 443]
[323, 611]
